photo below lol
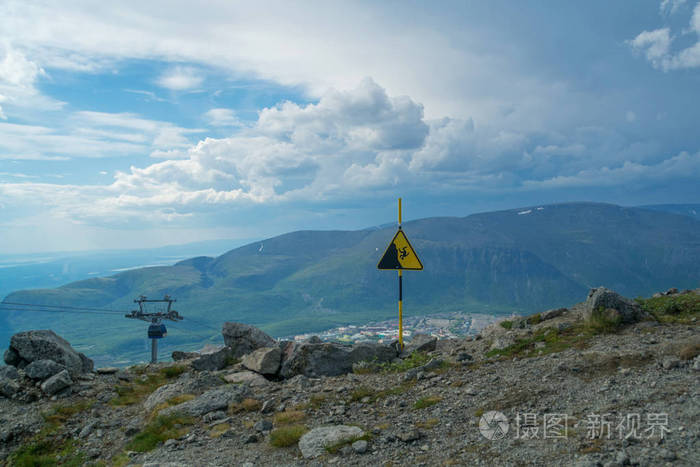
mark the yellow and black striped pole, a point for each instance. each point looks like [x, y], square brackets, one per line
[400, 293]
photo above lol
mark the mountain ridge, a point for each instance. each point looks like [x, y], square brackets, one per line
[516, 260]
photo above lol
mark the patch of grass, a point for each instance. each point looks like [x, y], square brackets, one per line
[479, 412]
[59, 414]
[427, 424]
[361, 392]
[288, 417]
[375, 395]
[506, 324]
[424, 402]
[219, 430]
[673, 309]
[120, 460]
[689, 351]
[604, 321]
[133, 392]
[414, 360]
[287, 435]
[163, 428]
[315, 401]
[554, 341]
[46, 452]
[174, 371]
[179, 399]
[534, 319]
[246, 405]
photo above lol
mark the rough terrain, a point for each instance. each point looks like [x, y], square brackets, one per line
[618, 383]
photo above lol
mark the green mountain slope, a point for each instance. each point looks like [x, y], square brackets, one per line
[521, 260]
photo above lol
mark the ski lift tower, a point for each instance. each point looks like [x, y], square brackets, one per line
[156, 330]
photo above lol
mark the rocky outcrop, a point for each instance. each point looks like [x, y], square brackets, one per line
[313, 360]
[213, 361]
[249, 378]
[43, 369]
[372, 352]
[210, 401]
[314, 443]
[265, 360]
[605, 299]
[421, 343]
[56, 383]
[330, 359]
[27, 347]
[243, 338]
[185, 384]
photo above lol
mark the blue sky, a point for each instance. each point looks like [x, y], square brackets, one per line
[139, 124]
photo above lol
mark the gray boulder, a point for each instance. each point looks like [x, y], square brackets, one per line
[213, 361]
[421, 343]
[27, 347]
[56, 383]
[314, 443]
[605, 299]
[8, 385]
[185, 384]
[210, 401]
[313, 360]
[265, 360]
[372, 352]
[243, 339]
[11, 357]
[550, 314]
[330, 359]
[9, 372]
[43, 369]
[249, 378]
[180, 355]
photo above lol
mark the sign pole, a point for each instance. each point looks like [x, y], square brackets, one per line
[400, 294]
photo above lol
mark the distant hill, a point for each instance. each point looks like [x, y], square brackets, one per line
[520, 260]
[690, 210]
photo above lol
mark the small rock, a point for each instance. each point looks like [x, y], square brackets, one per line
[268, 406]
[346, 450]
[9, 372]
[107, 370]
[213, 416]
[8, 387]
[360, 446]
[263, 425]
[463, 356]
[410, 436]
[314, 443]
[250, 439]
[670, 363]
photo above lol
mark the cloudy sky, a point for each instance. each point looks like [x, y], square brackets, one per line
[136, 124]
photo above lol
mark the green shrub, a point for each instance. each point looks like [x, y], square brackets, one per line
[673, 309]
[604, 321]
[171, 372]
[426, 402]
[507, 324]
[287, 435]
[534, 319]
[163, 428]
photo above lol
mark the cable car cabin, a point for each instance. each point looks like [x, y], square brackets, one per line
[157, 331]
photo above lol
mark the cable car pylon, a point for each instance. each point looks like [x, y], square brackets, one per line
[156, 330]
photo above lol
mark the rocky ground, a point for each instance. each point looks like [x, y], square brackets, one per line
[589, 385]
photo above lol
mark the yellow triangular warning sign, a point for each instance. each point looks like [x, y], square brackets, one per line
[400, 255]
